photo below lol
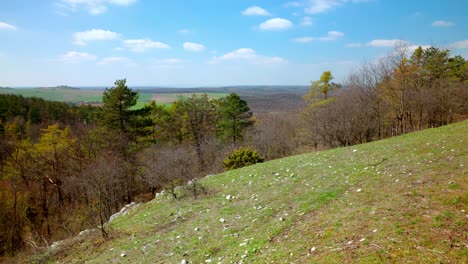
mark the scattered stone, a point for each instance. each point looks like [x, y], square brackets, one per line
[277, 174]
[281, 219]
[222, 220]
[312, 249]
[208, 261]
[397, 180]
[354, 150]
[358, 190]
[242, 244]
[184, 261]
[451, 182]
[375, 230]
[197, 229]
[350, 242]
[123, 255]
[362, 239]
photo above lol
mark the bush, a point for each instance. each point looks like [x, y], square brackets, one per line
[240, 158]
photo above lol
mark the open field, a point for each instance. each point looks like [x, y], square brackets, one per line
[402, 199]
[261, 99]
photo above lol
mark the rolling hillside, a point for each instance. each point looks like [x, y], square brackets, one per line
[402, 199]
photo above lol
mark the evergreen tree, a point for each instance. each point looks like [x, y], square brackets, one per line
[234, 118]
[118, 101]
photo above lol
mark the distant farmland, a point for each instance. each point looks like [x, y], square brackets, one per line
[76, 95]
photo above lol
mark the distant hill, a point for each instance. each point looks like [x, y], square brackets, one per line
[402, 199]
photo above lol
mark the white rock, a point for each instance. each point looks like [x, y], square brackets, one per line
[375, 230]
[123, 255]
[222, 220]
[358, 190]
[197, 229]
[362, 239]
[354, 150]
[350, 242]
[242, 244]
[312, 249]
[184, 261]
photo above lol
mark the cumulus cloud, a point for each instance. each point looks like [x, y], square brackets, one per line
[463, 44]
[142, 45]
[255, 11]
[276, 24]
[292, 4]
[82, 38]
[385, 42]
[94, 7]
[190, 46]
[6, 26]
[331, 35]
[247, 55]
[74, 57]
[442, 23]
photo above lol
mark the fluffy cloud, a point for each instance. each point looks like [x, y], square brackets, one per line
[6, 26]
[463, 44]
[190, 46]
[94, 7]
[141, 45]
[385, 42]
[331, 35]
[442, 23]
[247, 55]
[82, 38]
[170, 61]
[74, 57]
[255, 11]
[276, 24]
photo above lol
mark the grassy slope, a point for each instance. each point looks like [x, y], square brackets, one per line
[412, 207]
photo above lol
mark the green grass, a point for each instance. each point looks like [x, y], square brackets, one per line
[402, 199]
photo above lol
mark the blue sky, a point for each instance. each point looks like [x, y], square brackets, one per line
[213, 42]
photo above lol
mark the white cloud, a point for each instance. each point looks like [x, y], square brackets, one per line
[255, 11]
[6, 26]
[111, 60]
[463, 44]
[276, 24]
[82, 38]
[306, 21]
[74, 57]
[190, 46]
[442, 23]
[247, 55]
[141, 45]
[385, 42]
[94, 7]
[331, 35]
[321, 6]
[354, 45]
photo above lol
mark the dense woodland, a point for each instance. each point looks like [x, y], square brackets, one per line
[66, 168]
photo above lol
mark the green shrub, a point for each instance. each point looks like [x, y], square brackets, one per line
[240, 158]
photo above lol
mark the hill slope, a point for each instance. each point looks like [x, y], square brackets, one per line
[400, 199]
